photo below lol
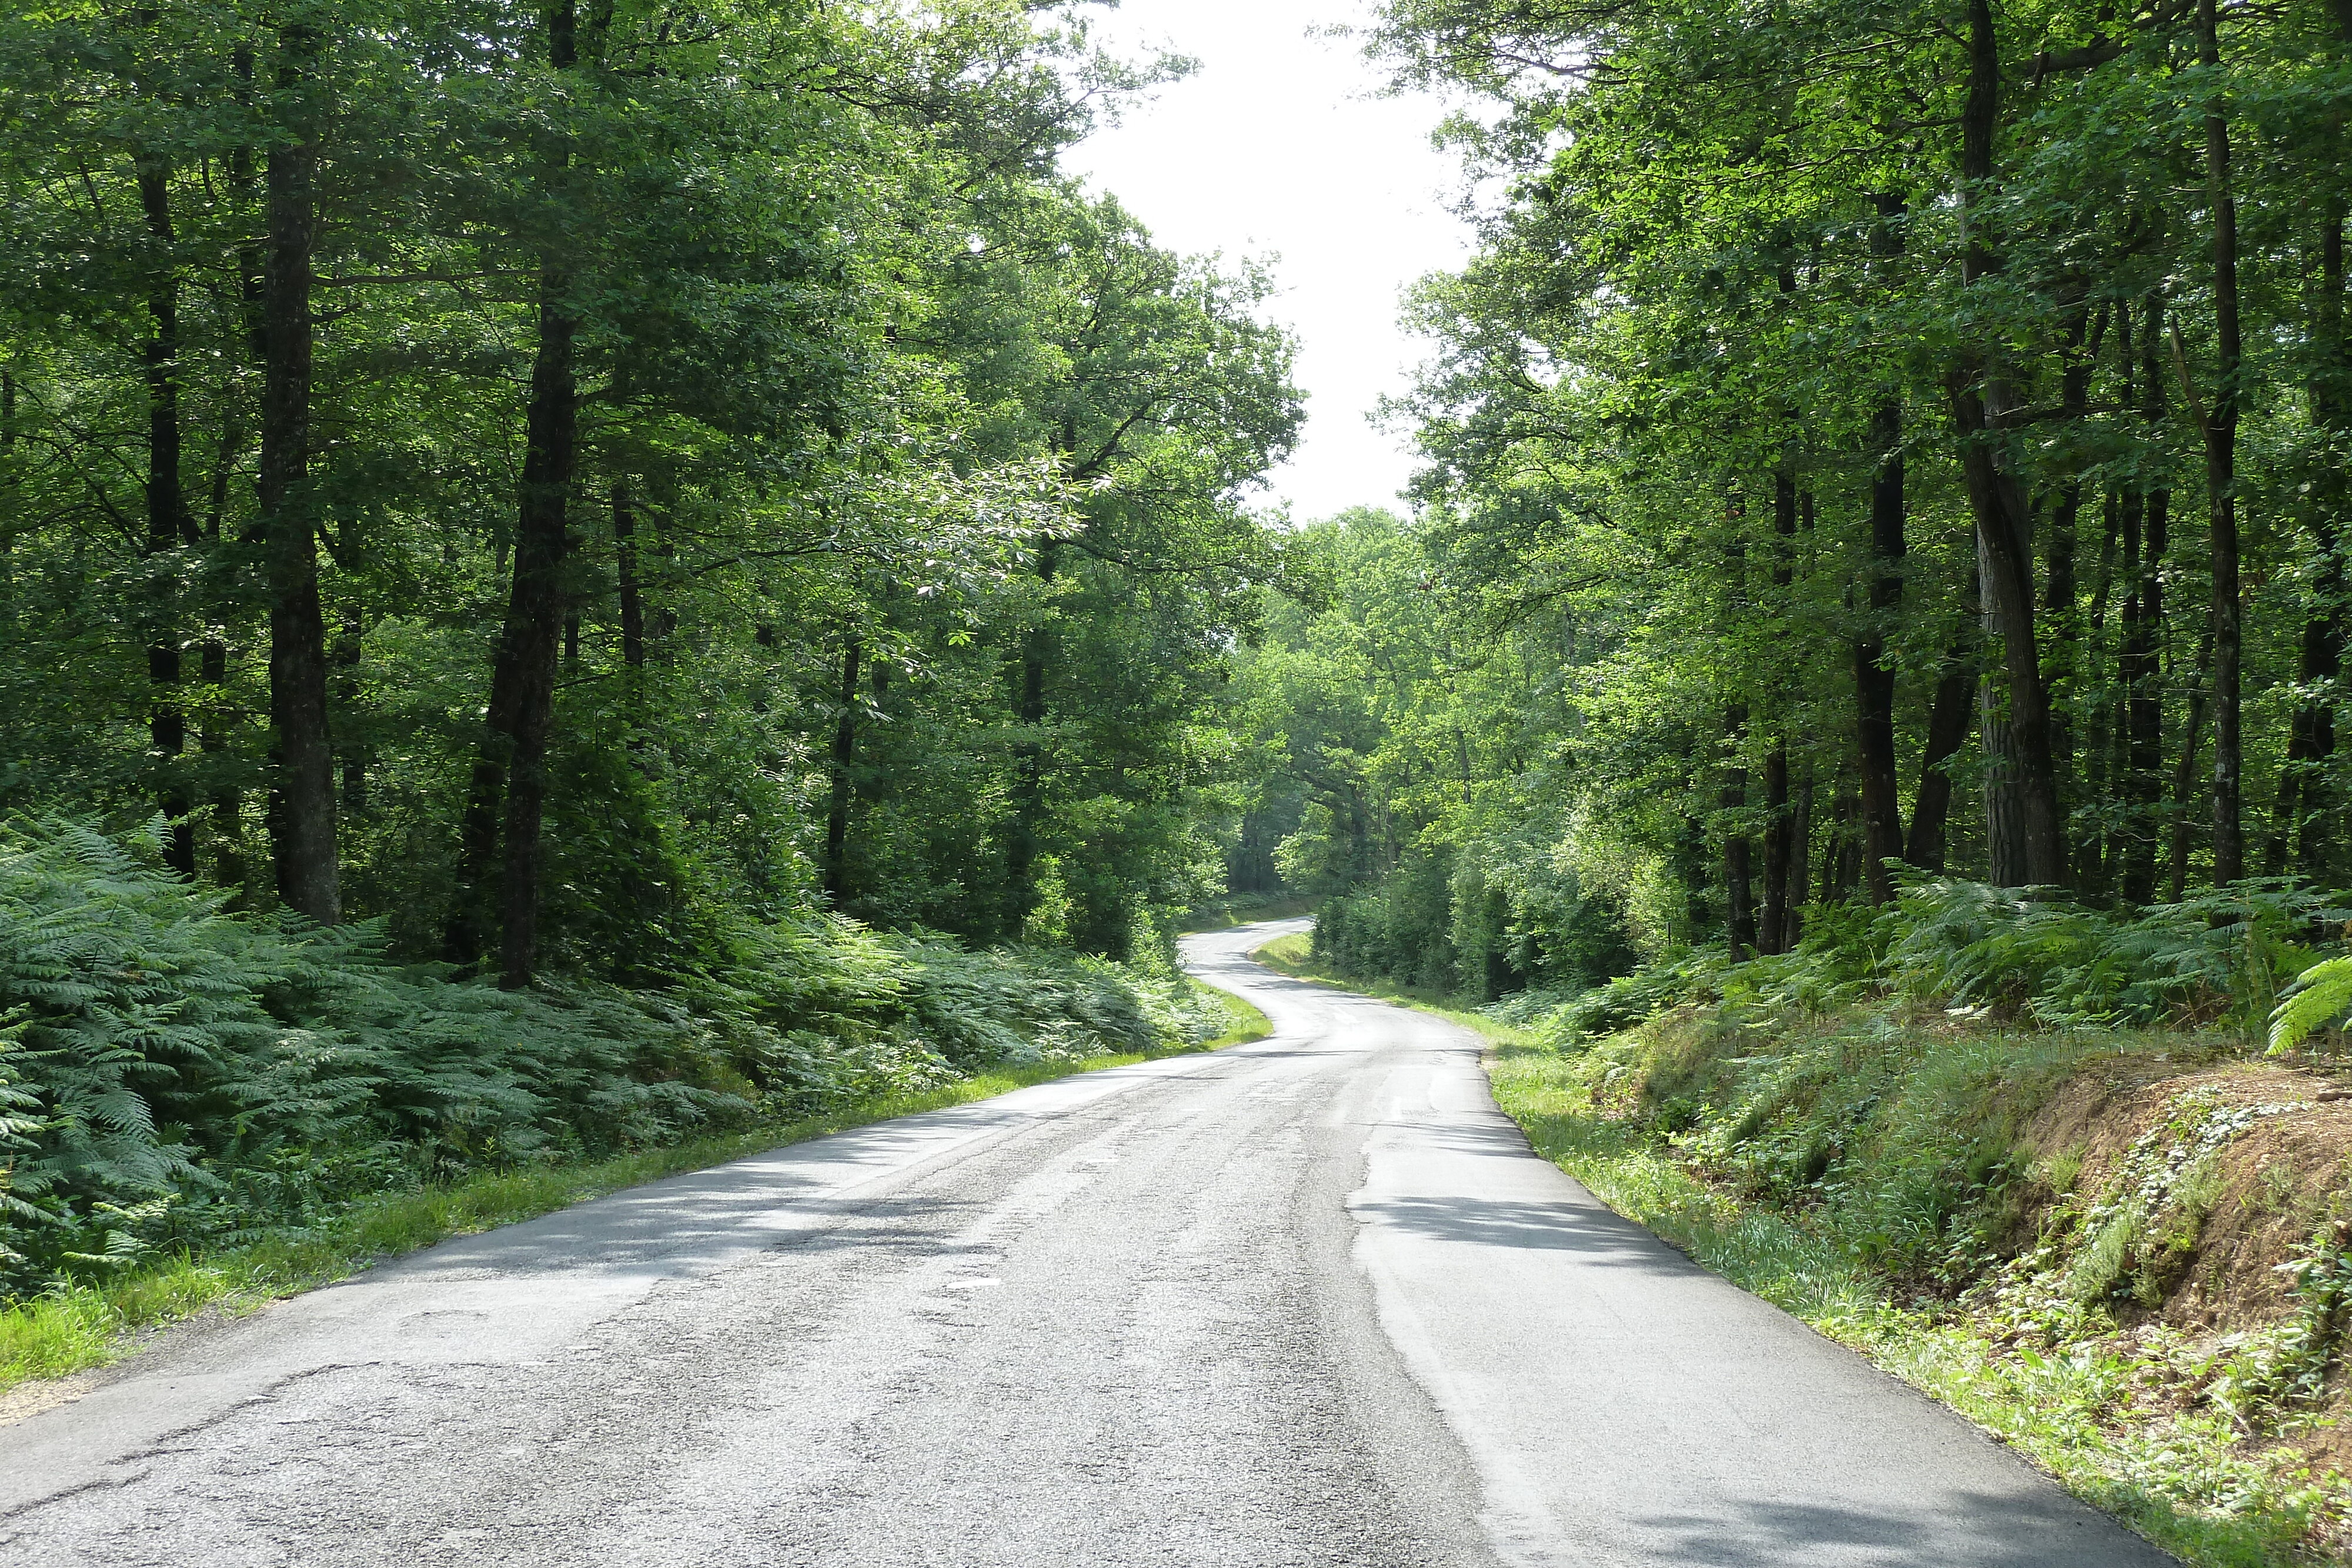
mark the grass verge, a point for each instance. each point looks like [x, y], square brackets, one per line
[2188, 1488]
[77, 1327]
[2189, 1492]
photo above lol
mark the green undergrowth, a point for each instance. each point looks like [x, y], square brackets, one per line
[181, 1077]
[1870, 1170]
[2187, 1482]
[1245, 909]
[1293, 955]
[79, 1324]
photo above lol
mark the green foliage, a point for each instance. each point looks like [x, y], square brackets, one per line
[2105, 1416]
[2019, 957]
[2223, 953]
[1783, 329]
[171, 1074]
[2320, 993]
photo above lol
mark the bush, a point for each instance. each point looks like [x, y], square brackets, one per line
[2007, 953]
[173, 1075]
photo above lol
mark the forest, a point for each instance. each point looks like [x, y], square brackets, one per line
[579, 575]
[573, 574]
[1852, 697]
[1865, 439]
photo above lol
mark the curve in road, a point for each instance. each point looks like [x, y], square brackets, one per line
[1309, 1301]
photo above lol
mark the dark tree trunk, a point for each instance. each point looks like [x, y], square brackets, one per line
[1738, 854]
[1948, 730]
[2221, 475]
[1873, 677]
[2184, 777]
[2023, 821]
[513, 767]
[845, 753]
[624, 551]
[1800, 849]
[302, 809]
[1773, 933]
[534, 618]
[169, 525]
[1029, 756]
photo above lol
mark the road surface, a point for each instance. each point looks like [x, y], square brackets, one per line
[1307, 1302]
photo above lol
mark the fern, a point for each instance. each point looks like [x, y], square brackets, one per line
[2320, 993]
[2030, 958]
[171, 1073]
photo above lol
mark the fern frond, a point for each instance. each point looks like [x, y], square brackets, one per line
[2319, 994]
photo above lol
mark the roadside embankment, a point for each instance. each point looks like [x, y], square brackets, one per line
[2125, 1252]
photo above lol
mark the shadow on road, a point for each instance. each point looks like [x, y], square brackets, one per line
[2001, 1531]
[1601, 1236]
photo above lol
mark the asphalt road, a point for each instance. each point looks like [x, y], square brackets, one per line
[1309, 1301]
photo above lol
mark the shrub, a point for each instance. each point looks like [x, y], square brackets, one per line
[172, 1073]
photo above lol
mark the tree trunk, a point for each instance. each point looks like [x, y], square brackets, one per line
[845, 752]
[169, 525]
[2022, 796]
[511, 769]
[1773, 933]
[2184, 777]
[535, 616]
[1948, 730]
[1738, 893]
[1029, 756]
[624, 551]
[1873, 677]
[1800, 868]
[2095, 852]
[302, 814]
[2220, 473]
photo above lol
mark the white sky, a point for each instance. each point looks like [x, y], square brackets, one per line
[1276, 145]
